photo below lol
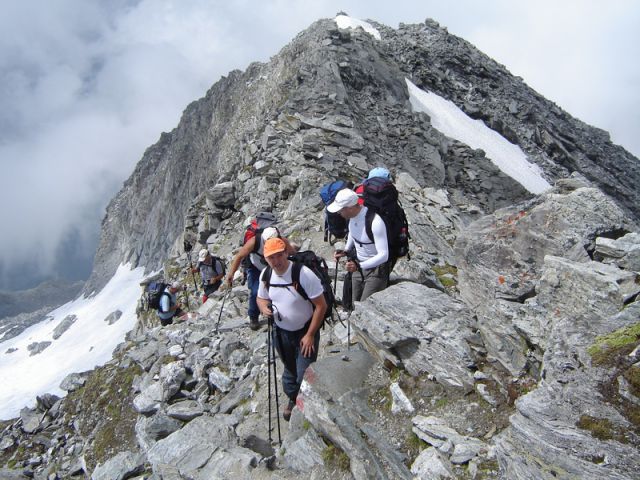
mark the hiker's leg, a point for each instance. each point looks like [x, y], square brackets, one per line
[209, 289]
[303, 362]
[285, 343]
[357, 286]
[375, 280]
[253, 279]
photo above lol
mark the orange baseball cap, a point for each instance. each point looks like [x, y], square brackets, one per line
[274, 245]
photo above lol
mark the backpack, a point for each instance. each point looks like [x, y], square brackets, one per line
[318, 266]
[381, 197]
[254, 229]
[334, 223]
[257, 225]
[153, 293]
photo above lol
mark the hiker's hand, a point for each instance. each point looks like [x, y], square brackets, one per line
[266, 311]
[229, 280]
[338, 254]
[352, 266]
[306, 345]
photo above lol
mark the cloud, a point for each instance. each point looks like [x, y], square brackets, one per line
[86, 86]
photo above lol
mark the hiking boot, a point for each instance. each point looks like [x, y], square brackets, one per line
[286, 413]
[254, 324]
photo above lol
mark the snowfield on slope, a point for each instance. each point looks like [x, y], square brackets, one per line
[448, 119]
[88, 343]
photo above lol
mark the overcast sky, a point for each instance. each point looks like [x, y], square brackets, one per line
[87, 85]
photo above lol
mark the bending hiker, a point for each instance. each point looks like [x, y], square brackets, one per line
[297, 322]
[211, 271]
[372, 254]
[169, 306]
[253, 250]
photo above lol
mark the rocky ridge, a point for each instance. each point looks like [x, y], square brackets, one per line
[336, 100]
[507, 346]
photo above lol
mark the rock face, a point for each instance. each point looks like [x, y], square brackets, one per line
[507, 345]
[502, 255]
[334, 103]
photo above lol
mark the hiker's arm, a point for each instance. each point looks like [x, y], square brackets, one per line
[348, 246]
[307, 342]
[244, 251]
[379, 231]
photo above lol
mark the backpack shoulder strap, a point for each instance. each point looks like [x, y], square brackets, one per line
[368, 223]
[295, 279]
[266, 277]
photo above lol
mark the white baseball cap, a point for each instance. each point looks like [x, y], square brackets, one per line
[344, 198]
[270, 232]
[202, 255]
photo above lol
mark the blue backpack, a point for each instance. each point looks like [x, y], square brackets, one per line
[334, 225]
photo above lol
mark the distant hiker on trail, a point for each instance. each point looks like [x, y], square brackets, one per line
[297, 321]
[211, 271]
[370, 267]
[169, 306]
[253, 251]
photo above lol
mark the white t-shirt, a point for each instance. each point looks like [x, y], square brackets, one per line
[371, 253]
[290, 309]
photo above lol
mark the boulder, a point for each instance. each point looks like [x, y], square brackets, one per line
[192, 447]
[500, 258]
[421, 329]
[120, 467]
[64, 325]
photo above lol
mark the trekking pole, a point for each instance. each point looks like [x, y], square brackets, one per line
[221, 308]
[187, 249]
[335, 277]
[275, 380]
[269, 373]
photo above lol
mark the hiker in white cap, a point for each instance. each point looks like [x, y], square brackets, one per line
[369, 266]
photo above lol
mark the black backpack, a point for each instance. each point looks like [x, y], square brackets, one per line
[318, 266]
[381, 197]
[334, 224]
[153, 293]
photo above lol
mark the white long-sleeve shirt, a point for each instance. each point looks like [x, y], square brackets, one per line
[371, 252]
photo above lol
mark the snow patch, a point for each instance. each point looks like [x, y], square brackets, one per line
[345, 22]
[88, 343]
[448, 119]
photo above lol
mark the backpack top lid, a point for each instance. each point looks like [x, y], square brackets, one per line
[265, 219]
[258, 224]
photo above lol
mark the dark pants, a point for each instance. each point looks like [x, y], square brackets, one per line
[287, 344]
[178, 313]
[209, 289]
[369, 282]
[253, 281]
